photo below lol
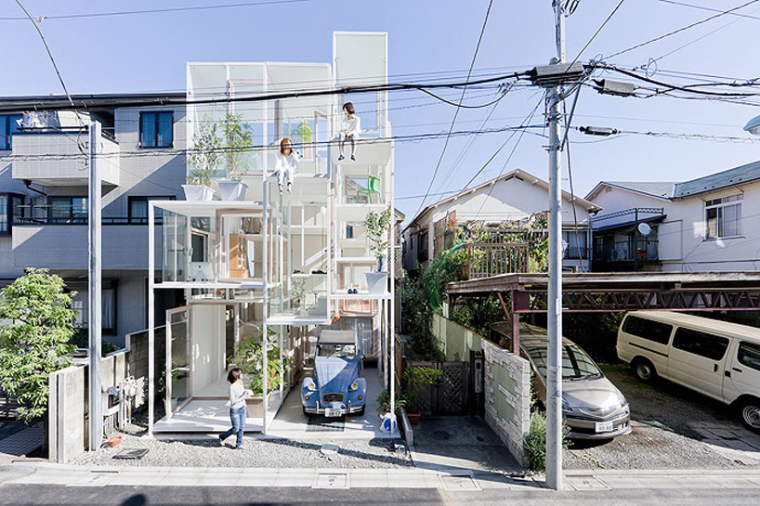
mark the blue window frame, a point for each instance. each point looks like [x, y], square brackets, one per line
[156, 129]
[8, 125]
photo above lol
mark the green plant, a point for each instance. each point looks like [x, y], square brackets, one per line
[249, 356]
[535, 442]
[303, 133]
[384, 402]
[416, 378]
[206, 153]
[35, 342]
[238, 141]
[417, 318]
[377, 232]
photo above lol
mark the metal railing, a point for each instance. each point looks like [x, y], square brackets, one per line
[645, 249]
[485, 260]
[80, 220]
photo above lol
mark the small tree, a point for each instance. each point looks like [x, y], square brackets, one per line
[36, 341]
[238, 141]
[206, 153]
[377, 232]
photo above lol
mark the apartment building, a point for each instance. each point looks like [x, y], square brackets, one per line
[703, 224]
[43, 196]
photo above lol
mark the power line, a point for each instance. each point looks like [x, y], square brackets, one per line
[597, 31]
[682, 29]
[710, 9]
[461, 99]
[158, 11]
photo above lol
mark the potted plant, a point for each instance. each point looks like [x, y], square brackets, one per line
[304, 135]
[203, 158]
[249, 356]
[384, 402]
[416, 378]
[238, 141]
[377, 231]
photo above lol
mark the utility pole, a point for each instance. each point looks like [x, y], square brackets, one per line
[95, 310]
[554, 426]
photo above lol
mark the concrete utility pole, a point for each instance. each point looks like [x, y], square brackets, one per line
[95, 310]
[554, 370]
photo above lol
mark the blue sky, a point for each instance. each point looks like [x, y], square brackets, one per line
[149, 52]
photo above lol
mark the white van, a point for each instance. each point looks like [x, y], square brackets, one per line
[718, 359]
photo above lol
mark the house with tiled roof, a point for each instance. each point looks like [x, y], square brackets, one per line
[703, 224]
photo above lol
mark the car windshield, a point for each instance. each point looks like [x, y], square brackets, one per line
[575, 363]
[337, 350]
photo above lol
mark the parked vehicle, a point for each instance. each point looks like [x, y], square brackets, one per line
[592, 407]
[715, 358]
[336, 388]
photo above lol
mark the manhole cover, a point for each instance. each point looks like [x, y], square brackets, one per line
[441, 435]
[464, 483]
[331, 480]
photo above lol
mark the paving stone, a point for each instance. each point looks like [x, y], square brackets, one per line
[23, 442]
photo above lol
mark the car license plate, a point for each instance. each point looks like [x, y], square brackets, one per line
[604, 427]
[330, 412]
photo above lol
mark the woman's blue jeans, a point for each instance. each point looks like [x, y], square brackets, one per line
[237, 416]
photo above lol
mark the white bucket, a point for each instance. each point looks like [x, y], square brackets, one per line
[198, 193]
[232, 189]
[376, 282]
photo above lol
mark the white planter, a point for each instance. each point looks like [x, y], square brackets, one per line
[377, 282]
[198, 193]
[232, 189]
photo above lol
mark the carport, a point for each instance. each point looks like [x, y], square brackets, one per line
[619, 291]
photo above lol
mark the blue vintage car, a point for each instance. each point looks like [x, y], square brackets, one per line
[336, 388]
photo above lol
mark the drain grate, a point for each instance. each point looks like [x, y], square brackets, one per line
[463, 483]
[323, 424]
[331, 480]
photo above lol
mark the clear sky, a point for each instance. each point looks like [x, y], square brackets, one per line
[148, 53]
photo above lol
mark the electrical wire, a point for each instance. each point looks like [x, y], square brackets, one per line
[461, 99]
[597, 32]
[709, 9]
[682, 29]
[158, 11]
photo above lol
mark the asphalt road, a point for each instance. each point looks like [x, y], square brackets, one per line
[48, 495]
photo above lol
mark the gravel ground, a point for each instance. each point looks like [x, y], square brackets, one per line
[668, 427]
[269, 453]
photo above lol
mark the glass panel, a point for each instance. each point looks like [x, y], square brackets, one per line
[700, 343]
[648, 329]
[749, 355]
[165, 125]
[79, 209]
[148, 130]
[178, 354]
[175, 247]
[138, 208]
[4, 221]
[4, 134]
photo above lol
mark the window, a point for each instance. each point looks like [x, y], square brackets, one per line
[80, 303]
[156, 129]
[749, 355]
[575, 363]
[724, 216]
[700, 343]
[422, 248]
[8, 126]
[67, 210]
[138, 210]
[576, 247]
[648, 329]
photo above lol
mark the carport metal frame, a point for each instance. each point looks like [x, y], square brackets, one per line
[615, 292]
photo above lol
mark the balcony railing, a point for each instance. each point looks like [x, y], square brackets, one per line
[645, 249]
[485, 260]
[80, 220]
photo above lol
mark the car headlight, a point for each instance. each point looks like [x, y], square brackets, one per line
[354, 386]
[312, 387]
[621, 399]
[566, 405]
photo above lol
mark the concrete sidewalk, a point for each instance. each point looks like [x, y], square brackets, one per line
[582, 481]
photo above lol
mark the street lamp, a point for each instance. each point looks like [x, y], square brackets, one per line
[753, 126]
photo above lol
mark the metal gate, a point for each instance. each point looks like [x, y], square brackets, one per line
[450, 394]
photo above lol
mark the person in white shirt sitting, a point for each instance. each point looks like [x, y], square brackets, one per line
[352, 125]
[286, 164]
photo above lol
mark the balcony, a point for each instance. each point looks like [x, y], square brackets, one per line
[485, 259]
[625, 255]
[55, 244]
[54, 158]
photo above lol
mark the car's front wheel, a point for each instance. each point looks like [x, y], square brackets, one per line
[644, 370]
[750, 413]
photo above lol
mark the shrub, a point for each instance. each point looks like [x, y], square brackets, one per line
[535, 441]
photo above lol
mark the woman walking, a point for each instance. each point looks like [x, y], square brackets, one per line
[352, 125]
[286, 164]
[237, 407]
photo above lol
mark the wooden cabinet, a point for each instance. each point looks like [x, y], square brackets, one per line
[238, 256]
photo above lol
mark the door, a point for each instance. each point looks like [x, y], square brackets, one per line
[178, 380]
[696, 360]
[742, 374]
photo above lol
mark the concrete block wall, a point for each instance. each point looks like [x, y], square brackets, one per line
[137, 361]
[507, 382]
[507, 391]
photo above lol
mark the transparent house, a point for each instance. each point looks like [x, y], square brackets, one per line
[281, 265]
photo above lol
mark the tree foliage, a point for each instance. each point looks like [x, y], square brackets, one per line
[35, 342]
[206, 153]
